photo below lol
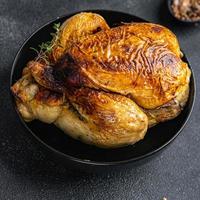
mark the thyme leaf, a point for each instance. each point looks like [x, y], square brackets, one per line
[45, 48]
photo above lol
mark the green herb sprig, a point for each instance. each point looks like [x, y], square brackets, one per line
[46, 47]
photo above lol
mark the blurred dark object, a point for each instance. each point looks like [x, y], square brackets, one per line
[185, 10]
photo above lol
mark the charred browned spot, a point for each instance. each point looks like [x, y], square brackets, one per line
[126, 48]
[157, 29]
[65, 73]
[44, 75]
[49, 78]
[65, 61]
[74, 80]
[84, 98]
[89, 107]
[51, 98]
[130, 96]
[96, 30]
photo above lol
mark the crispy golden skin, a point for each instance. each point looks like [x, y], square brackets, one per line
[27, 91]
[98, 118]
[35, 102]
[145, 68]
[169, 110]
[104, 119]
[107, 85]
[75, 29]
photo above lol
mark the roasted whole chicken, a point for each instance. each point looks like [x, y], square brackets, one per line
[105, 86]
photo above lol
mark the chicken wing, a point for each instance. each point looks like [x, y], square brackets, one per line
[75, 29]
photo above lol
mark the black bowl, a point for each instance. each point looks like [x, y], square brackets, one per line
[80, 154]
[169, 5]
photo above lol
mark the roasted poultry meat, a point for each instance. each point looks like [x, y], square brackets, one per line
[105, 86]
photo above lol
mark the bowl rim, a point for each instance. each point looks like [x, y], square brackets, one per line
[72, 158]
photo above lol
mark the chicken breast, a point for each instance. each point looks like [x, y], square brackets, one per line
[117, 60]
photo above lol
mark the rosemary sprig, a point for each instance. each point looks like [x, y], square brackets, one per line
[46, 47]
